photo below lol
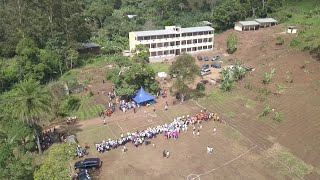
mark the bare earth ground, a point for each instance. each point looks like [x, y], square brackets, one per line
[246, 146]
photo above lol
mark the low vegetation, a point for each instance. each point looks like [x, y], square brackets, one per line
[56, 162]
[232, 42]
[306, 15]
[266, 111]
[232, 74]
[263, 93]
[278, 117]
[280, 41]
[268, 76]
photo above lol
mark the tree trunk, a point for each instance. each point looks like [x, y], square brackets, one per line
[37, 139]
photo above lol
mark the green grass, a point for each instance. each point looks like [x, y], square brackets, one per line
[308, 22]
[296, 165]
[88, 107]
[160, 67]
[70, 75]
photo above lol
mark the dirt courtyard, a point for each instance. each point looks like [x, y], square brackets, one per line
[234, 156]
[246, 146]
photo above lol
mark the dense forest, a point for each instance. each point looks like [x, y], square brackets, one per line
[39, 40]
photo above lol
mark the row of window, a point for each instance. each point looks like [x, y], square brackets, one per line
[178, 51]
[178, 43]
[173, 35]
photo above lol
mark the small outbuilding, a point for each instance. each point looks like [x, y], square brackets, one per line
[266, 22]
[292, 29]
[206, 23]
[246, 25]
[89, 48]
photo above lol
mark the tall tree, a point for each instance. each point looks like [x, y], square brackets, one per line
[29, 101]
[99, 10]
[185, 70]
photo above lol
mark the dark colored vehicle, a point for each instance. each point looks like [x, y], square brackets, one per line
[215, 57]
[205, 66]
[204, 81]
[83, 175]
[206, 58]
[89, 163]
[216, 65]
[199, 58]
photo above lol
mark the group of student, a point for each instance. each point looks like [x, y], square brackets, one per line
[170, 130]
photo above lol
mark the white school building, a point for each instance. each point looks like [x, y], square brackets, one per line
[255, 24]
[173, 40]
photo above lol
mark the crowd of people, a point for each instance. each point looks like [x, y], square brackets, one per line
[47, 138]
[170, 131]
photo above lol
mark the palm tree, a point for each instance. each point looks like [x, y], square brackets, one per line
[239, 71]
[30, 102]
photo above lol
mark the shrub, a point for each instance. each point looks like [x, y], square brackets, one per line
[268, 76]
[68, 105]
[280, 41]
[91, 94]
[249, 86]
[201, 87]
[278, 117]
[232, 42]
[266, 111]
[227, 85]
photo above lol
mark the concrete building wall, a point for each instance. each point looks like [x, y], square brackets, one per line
[238, 27]
[171, 46]
[132, 41]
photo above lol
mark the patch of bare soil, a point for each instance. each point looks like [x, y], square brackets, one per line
[299, 100]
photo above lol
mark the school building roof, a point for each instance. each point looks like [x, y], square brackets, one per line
[248, 23]
[266, 20]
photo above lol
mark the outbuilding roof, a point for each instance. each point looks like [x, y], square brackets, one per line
[168, 31]
[249, 23]
[266, 20]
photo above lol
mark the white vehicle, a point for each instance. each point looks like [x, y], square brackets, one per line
[205, 72]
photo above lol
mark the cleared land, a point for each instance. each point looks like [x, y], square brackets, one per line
[266, 149]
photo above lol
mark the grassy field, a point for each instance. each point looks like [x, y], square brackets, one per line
[88, 108]
[305, 14]
[160, 67]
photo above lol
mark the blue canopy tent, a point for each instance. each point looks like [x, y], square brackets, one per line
[143, 96]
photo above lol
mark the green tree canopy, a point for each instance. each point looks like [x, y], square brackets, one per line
[30, 102]
[55, 165]
[185, 70]
[232, 42]
[129, 79]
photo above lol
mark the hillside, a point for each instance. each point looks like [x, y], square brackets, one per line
[305, 14]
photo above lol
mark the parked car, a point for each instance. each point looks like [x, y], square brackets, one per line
[216, 57]
[204, 81]
[199, 58]
[205, 66]
[205, 72]
[83, 175]
[88, 163]
[216, 65]
[206, 58]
